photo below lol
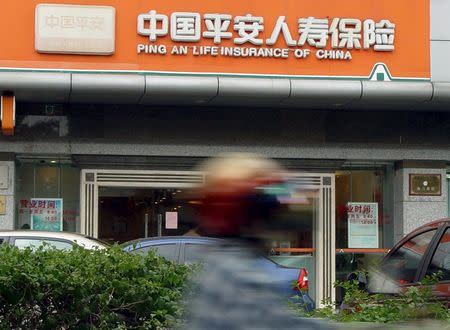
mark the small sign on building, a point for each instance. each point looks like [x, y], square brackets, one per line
[2, 204]
[425, 184]
[75, 29]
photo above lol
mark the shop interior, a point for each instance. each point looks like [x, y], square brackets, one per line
[130, 213]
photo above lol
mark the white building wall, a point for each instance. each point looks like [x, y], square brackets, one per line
[413, 211]
[7, 188]
[440, 40]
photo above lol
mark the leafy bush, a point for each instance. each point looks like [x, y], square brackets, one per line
[417, 302]
[82, 289]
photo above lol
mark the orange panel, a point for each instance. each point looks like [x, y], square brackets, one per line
[8, 114]
[295, 250]
[410, 59]
[362, 250]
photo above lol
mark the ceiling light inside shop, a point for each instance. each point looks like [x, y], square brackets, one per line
[53, 161]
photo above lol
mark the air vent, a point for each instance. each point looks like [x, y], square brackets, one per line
[143, 177]
[306, 180]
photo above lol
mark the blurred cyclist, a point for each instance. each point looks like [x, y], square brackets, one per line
[233, 291]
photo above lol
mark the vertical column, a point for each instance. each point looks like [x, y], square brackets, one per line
[420, 195]
[326, 243]
[7, 189]
[88, 204]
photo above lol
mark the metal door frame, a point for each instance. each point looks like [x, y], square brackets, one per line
[323, 240]
[92, 180]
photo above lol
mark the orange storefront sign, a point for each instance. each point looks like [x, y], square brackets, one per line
[328, 38]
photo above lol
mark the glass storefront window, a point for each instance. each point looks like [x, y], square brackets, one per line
[357, 188]
[364, 219]
[45, 179]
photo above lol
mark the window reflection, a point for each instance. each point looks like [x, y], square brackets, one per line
[441, 258]
[23, 243]
[402, 265]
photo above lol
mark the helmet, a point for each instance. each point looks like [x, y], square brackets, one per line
[233, 199]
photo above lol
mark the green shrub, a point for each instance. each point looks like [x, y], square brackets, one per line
[417, 302]
[82, 289]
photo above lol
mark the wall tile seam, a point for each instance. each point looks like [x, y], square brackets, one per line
[428, 201]
[409, 169]
[424, 203]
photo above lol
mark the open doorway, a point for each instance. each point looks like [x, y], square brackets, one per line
[136, 187]
[130, 213]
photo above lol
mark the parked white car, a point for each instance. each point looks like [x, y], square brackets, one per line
[60, 240]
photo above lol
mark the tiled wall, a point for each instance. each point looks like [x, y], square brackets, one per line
[440, 40]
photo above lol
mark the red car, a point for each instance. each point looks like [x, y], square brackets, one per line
[423, 252]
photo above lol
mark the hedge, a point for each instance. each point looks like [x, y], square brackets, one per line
[83, 289]
[416, 303]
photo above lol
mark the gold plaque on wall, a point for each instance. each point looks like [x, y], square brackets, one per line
[425, 185]
[2, 205]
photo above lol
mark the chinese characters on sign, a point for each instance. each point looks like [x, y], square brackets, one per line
[80, 23]
[362, 225]
[370, 40]
[46, 214]
[25, 210]
[340, 34]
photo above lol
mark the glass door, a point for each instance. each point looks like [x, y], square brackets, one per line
[295, 246]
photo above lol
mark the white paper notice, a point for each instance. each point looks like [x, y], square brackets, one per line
[171, 220]
[362, 225]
